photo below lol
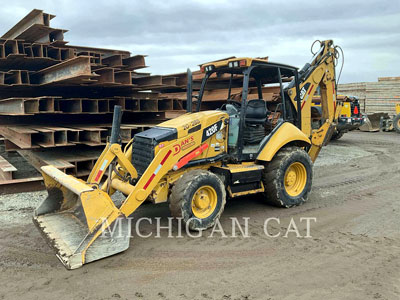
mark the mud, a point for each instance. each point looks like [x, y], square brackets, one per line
[353, 253]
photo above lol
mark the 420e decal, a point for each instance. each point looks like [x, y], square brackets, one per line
[211, 130]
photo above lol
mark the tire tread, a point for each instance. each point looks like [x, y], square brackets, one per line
[273, 171]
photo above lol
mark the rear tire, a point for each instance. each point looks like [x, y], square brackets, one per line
[199, 198]
[396, 123]
[288, 178]
[336, 135]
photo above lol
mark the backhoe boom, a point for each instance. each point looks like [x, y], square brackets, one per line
[319, 73]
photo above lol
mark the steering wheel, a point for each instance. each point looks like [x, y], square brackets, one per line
[235, 103]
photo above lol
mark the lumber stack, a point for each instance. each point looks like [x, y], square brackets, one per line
[380, 96]
[57, 100]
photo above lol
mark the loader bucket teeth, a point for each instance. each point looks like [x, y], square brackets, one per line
[78, 230]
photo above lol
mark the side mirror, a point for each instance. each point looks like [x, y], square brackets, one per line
[189, 91]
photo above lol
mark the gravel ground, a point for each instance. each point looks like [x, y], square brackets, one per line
[16, 209]
[353, 252]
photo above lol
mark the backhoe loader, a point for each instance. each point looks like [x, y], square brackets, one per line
[198, 160]
[348, 116]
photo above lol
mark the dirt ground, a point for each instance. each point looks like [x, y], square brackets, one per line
[354, 251]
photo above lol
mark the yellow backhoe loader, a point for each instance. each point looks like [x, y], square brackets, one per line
[348, 116]
[198, 160]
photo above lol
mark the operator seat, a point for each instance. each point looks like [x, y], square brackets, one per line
[255, 120]
[256, 112]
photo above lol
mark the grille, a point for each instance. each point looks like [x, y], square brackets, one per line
[142, 153]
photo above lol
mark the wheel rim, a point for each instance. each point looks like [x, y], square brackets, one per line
[398, 123]
[204, 202]
[295, 179]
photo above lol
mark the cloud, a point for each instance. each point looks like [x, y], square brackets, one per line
[180, 34]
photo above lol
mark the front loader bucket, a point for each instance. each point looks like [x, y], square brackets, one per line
[372, 122]
[75, 220]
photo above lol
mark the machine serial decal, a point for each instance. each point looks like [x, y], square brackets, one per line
[191, 124]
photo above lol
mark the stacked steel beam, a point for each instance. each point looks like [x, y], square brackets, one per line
[56, 100]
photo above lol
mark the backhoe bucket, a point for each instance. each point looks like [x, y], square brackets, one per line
[372, 122]
[75, 219]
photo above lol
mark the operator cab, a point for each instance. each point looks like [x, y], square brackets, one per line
[256, 101]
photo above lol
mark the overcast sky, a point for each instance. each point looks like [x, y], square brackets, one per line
[183, 33]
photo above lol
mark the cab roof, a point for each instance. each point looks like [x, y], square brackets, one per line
[241, 62]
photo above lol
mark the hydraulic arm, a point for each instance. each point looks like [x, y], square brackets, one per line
[320, 72]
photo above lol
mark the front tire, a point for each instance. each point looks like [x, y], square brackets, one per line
[199, 198]
[288, 178]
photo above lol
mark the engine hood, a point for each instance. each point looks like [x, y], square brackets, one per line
[192, 122]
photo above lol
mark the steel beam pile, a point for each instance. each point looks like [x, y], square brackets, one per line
[57, 99]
